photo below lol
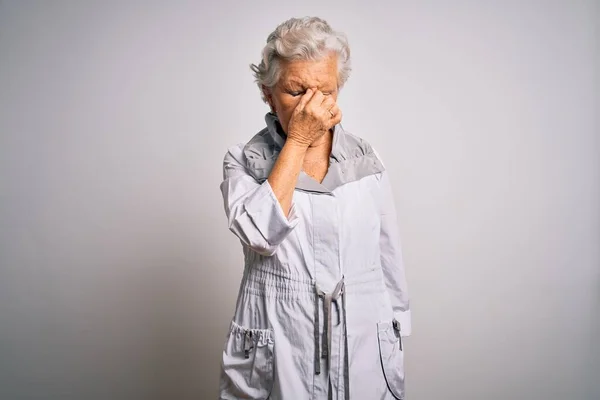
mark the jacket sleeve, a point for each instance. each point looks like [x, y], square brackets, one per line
[391, 257]
[253, 212]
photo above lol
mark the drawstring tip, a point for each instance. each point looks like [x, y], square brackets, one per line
[248, 344]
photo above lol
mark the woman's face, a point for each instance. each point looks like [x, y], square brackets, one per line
[296, 77]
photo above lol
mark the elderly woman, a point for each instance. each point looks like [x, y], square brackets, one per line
[323, 303]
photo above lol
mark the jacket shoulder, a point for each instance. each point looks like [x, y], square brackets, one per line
[350, 145]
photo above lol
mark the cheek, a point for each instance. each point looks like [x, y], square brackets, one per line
[284, 112]
[289, 103]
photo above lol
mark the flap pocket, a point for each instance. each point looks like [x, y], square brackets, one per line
[392, 356]
[247, 370]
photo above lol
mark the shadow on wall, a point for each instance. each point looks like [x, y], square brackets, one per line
[188, 312]
[593, 366]
[122, 317]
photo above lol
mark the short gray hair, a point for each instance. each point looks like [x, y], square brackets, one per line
[308, 38]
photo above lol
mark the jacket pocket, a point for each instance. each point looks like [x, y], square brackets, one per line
[392, 356]
[247, 369]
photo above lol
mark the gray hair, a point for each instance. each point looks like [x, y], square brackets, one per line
[308, 38]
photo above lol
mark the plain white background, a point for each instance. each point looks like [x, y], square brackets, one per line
[118, 275]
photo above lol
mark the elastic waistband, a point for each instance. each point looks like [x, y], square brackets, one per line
[266, 280]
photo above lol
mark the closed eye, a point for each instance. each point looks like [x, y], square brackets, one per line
[301, 92]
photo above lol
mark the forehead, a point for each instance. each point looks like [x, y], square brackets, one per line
[308, 73]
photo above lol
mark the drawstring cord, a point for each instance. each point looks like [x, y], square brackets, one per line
[325, 352]
[248, 343]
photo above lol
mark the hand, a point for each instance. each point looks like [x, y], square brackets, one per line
[314, 115]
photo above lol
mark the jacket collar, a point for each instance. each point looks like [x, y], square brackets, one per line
[351, 158]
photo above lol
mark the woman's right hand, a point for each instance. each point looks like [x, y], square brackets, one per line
[314, 115]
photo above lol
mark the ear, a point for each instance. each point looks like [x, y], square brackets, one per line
[269, 96]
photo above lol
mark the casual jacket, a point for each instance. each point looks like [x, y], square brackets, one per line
[323, 302]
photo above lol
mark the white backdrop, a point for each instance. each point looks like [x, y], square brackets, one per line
[118, 275]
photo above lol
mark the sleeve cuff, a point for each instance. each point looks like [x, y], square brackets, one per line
[404, 318]
[266, 214]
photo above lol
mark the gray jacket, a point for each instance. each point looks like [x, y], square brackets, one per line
[323, 302]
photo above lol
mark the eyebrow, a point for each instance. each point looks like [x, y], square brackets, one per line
[293, 85]
[299, 87]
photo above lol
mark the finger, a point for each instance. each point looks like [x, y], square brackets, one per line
[316, 100]
[328, 103]
[306, 97]
[337, 116]
[333, 110]
[326, 108]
